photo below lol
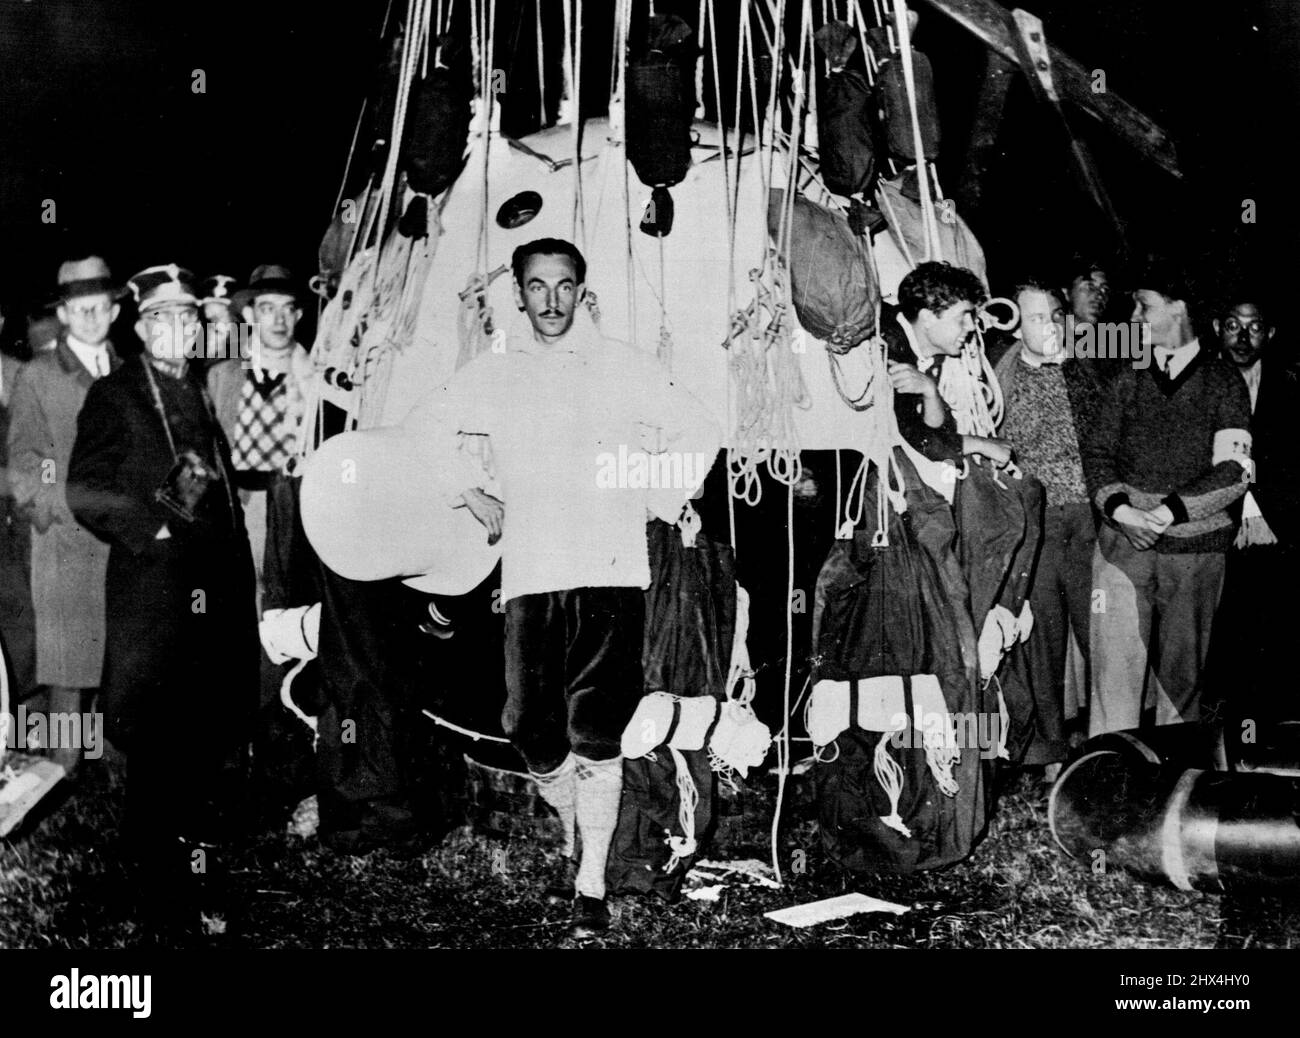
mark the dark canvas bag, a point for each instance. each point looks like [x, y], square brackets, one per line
[437, 126]
[832, 277]
[901, 609]
[689, 621]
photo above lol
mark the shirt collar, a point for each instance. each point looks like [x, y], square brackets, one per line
[1178, 358]
[87, 355]
[83, 349]
[580, 339]
[260, 371]
[1036, 360]
[923, 364]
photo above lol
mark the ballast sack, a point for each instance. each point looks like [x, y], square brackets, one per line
[643, 855]
[661, 103]
[846, 153]
[892, 87]
[957, 244]
[882, 705]
[437, 124]
[690, 613]
[893, 610]
[667, 809]
[832, 278]
[1000, 518]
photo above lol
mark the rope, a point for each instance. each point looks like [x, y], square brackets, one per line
[889, 774]
[769, 381]
[569, 95]
[621, 28]
[970, 388]
[417, 25]
[688, 798]
[933, 245]
[699, 64]
[783, 742]
[541, 67]
[579, 212]
[476, 736]
[4, 705]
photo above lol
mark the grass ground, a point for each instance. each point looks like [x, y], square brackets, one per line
[60, 884]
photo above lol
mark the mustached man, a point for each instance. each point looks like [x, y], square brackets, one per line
[555, 402]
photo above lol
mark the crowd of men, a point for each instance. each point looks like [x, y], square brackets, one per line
[151, 519]
[1168, 534]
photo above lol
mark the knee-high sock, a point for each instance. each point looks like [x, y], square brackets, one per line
[600, 784]
[558, 789]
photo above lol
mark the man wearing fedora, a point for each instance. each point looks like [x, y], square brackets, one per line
[259, 401]
[69, 563]
[150, 476]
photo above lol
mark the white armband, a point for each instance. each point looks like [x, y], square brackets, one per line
[1234, 445]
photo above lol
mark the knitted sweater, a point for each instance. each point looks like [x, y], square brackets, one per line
[1040, 424]
[1154, 442]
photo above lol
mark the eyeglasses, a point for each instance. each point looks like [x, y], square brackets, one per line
[95, 310]
[1232, 326]
[186, 315]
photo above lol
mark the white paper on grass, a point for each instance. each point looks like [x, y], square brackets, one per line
[832, 908]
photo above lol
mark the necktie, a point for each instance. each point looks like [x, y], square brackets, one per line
[101, 363]
[267, 383]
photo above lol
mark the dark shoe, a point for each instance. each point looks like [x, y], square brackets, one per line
[590, 917]
[560, 889]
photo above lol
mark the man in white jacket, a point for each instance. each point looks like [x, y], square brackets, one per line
[559, 402]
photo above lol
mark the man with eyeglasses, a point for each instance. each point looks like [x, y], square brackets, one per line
[259, 401]
[1249, 661]
[150, 476]
[68, 563]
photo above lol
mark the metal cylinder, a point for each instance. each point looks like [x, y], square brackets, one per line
[1193, 828]
[1272, 749]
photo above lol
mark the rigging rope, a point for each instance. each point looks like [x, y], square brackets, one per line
[933, 247]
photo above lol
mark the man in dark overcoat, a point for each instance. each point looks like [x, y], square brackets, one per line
[150, 476]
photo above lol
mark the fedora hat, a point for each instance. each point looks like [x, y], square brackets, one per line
[268, 279]
[86, 277]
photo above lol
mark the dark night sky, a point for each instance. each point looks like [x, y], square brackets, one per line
[98, 114]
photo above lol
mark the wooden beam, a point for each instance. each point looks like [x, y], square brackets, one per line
[989, 107]
[991, 23]
[1035, 57]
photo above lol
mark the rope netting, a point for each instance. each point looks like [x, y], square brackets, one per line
[774, 88]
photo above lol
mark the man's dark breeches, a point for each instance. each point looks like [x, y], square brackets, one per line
[573, 672]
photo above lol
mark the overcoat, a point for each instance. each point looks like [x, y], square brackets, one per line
[182, 626]
[68, 562]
